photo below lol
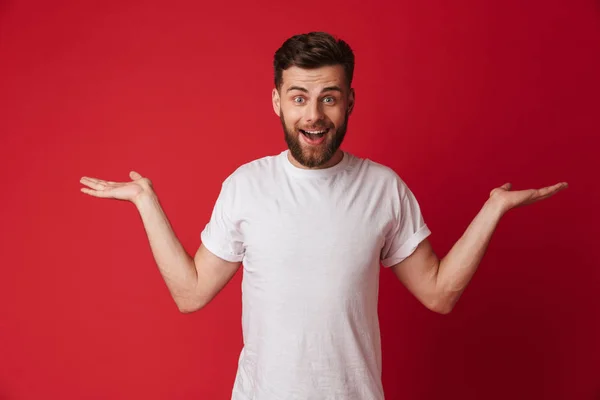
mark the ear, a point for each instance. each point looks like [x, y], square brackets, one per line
[351, 99]
[276, 101]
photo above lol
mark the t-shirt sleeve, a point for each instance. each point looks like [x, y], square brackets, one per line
[222, 235]
[408, 228]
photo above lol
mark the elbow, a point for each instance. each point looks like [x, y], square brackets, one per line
[441, 305]
[186, 309]
[442, 309]
[188, 306]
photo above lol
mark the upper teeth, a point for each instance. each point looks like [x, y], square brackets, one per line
[315, 132]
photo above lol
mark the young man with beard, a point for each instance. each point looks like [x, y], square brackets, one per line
[312, 226]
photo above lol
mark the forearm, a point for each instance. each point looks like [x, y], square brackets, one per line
[458, 267]
[174, 263]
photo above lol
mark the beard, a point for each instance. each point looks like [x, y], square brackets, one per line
[314, 156]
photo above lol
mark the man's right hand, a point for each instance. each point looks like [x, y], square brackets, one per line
[192, 281]
[130, 191]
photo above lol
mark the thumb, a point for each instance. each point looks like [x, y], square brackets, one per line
[134, 175]
[506, 186]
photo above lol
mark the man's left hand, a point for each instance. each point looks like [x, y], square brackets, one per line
[508, 199]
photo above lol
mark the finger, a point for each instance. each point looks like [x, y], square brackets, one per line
[562, 185]
[93, 181]
[544, 193]
[95, 193]
[94, 184]
[134, 175]
[507, 186]
[88, 179]
[550, 190]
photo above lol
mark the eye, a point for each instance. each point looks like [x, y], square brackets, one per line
[329, 99]
[298, 100]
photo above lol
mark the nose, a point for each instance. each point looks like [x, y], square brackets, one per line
[314, 112]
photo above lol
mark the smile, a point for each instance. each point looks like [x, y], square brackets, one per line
[314, 134]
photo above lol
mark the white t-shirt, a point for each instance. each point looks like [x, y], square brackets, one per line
[312, 243]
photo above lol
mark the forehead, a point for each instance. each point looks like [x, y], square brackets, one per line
[314, 78]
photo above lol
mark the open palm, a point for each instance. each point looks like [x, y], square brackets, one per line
[511, 199]
[129, 191]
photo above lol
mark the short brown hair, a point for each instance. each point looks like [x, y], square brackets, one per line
[313, 50]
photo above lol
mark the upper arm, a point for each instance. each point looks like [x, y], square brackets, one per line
[407, 250]
[222, 249]
[213, 274]
[418, 273]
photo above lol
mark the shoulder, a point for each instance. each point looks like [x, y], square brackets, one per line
[380, 169]
[378, 173]
[253, 171]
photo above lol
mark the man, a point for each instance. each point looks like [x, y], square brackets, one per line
[312, 226]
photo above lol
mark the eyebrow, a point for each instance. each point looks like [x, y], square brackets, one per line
[326, 89]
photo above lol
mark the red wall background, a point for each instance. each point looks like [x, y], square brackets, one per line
[458, 97]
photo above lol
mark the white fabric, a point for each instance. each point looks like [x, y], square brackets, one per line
[312, 243]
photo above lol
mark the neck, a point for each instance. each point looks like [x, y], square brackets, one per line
[337, 157]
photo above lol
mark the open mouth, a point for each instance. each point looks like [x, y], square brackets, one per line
[314, 134]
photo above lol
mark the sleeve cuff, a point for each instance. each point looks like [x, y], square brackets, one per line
[213, 246]
[408, 247]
